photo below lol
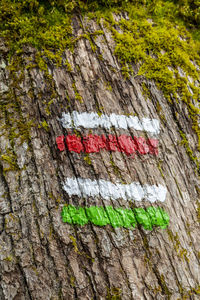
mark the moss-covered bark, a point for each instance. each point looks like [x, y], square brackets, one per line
[104, 65]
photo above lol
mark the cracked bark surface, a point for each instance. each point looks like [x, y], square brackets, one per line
[43, 258]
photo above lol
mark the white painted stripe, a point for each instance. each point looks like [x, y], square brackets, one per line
[107, 190]
[93, 120]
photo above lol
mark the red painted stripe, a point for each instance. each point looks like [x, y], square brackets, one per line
[74, 143]
[94, 143]
[60, 142]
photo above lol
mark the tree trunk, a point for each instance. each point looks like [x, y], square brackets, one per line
[41, 256]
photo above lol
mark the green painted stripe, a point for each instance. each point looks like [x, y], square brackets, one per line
[118, 217]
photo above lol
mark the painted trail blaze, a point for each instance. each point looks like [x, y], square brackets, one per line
[85, 187]
[116, 217]
[106, 190]
[94, 143]
[93, 120]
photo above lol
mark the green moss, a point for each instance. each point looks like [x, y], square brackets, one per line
[163, 285]
[186, 294]
[189, 151]
[38, 24]
[159, 165]
[15, 126]
[108, 86]
[160, 112]
[47, 108]
[46, 26]
[116, 169]
[74, 244]
[178, 187]
[77, 95]
[44, 125]
[11, 159]
[114, 293]
[72, 281]
[69, 68]
[145, 91]
[88, 37]
[144, 42]
[9, 258]
[87, 159]
[156, 289]
[198, 211]
[182, 253]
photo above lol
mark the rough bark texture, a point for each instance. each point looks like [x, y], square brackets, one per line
[43, 258]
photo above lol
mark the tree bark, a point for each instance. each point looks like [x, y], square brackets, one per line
[44, 258]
